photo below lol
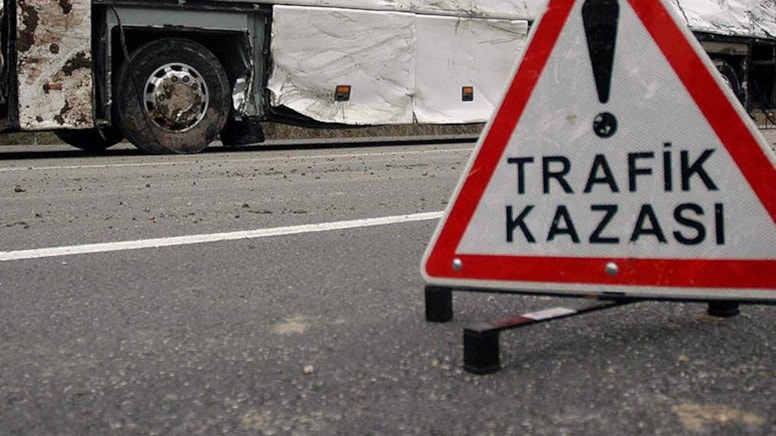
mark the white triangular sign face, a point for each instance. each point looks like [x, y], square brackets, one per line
[617, 162]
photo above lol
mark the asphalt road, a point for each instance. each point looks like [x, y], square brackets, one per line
[316, 329]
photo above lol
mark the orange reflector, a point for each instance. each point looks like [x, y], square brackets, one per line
[342, 93]
[467, 93]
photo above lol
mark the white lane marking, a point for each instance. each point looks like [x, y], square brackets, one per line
[70, 250]
[200, 162]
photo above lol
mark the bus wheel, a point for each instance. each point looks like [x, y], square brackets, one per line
[172, 96]
[729, 76]
[90, 139]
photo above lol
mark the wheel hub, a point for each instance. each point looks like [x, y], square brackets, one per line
[176, 97]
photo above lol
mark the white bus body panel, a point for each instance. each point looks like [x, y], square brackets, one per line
[754, 18]
[457, 52]
[740, 17]
[504, 9]
[402, 67]
[316, 49]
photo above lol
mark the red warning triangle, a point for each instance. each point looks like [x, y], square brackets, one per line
[618, 161]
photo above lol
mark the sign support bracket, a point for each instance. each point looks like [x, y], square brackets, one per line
[481, 347]
[439, 304]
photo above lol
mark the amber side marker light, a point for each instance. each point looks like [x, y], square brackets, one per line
[342, 93]
[467, 93]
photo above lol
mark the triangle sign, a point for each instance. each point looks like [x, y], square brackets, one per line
[618, 162]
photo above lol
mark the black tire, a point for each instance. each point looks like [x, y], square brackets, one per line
[172, 96]
[730, 77]
[90, 139]
[244, 132]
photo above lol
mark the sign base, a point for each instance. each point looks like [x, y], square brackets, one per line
[481, 349]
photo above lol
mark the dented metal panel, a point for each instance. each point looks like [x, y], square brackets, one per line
[506, 9]
[316, 49]
[754, 18]
[54, 64]
[726, 17]
[401, 67]
[453, 53]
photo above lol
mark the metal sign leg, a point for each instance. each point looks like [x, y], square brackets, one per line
[723, 309]
[439, 304]
[481, 350]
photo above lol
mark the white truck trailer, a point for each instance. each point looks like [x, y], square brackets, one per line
[172, 75]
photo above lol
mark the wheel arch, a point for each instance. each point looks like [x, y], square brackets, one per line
[231, 48]
[235, 35]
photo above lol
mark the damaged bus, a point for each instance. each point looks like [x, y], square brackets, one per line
[171, 76]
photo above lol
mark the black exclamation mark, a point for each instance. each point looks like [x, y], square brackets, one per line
[600, 20]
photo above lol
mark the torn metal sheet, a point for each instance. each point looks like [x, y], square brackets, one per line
[729, 17]
[505, 9]
[755, 18]
[454, 53]
[54, 64]
[401, 67]
[314, 50]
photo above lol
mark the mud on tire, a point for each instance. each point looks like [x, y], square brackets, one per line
[172, 96]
